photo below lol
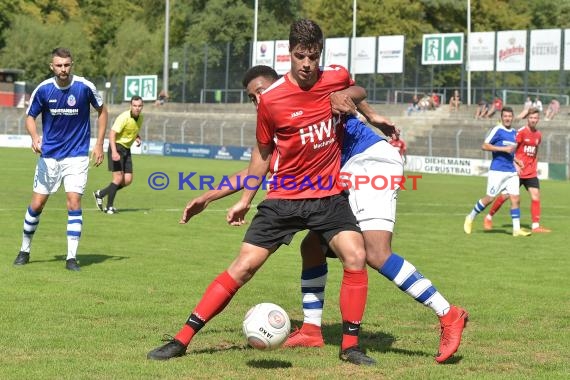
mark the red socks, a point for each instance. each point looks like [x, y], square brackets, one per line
[535, 211]
[497, 204]
[353, 292]
[215, 299]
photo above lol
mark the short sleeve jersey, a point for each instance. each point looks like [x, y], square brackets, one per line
[527, 151]
[127, 128]
[65, 111]
[306, 137]
[501, 136]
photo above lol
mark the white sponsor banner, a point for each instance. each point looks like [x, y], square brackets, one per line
[16, 141]
[390, 54]
[511, 50]
[363, 54]
[458, 166]
[446, 165]
[482, 51]
[544, 50]
[265, 53]
[566, 49]
[336, 51]
[25, 141]
[282, 57]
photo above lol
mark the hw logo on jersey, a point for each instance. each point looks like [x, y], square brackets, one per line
[530, 150]
[319, 134]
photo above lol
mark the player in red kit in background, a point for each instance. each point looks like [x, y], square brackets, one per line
[399, 144]
[526, 155]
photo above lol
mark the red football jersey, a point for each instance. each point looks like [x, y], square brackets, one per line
[527, 151]
[306, 136]
[400, 145]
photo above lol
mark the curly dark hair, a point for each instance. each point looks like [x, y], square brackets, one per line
[259, 71]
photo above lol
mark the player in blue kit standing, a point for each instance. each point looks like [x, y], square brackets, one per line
[503, 176]
[64, 101]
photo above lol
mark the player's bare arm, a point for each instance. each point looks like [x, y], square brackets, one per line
[97, 155]
[384, 124]
[199, 204]
[258, 168]
[344, 102]
[32, 129]
[353, 99]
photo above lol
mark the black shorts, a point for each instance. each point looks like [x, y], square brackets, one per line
[529, 182]
[277, 220]
[125, 163]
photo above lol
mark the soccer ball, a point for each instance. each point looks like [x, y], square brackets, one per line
[266, 326]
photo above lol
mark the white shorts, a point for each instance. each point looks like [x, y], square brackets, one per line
[51, 172]
[374, 203]
[502, 181]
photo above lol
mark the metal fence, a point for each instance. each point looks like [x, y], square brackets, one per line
[466, 143]
[444, 138]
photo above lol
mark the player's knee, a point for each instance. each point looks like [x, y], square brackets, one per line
[37, 205]
[250, 259]
[375, 258]
[354, 259]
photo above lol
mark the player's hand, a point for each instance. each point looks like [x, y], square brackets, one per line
[396, 133]
[115, 156]
[342, 104]
[37, 145]
[386, 125]
[194, 207]
[97, 155]
[138, 141]
[236, 214]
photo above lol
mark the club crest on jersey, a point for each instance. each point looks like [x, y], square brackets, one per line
[71, 101]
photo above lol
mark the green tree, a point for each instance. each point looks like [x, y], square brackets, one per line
[211, 25]
[134, 51]
[43, 38]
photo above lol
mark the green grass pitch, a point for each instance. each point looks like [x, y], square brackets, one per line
[142, 273]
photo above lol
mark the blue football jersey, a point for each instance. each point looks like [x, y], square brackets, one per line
[357, 138]
[66, 125]
[501, 136]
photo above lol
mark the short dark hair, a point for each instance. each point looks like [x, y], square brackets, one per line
[61, 52]
[532, 111]
[259, 71]
[136, 97]
[307, 34]
[506, 109]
